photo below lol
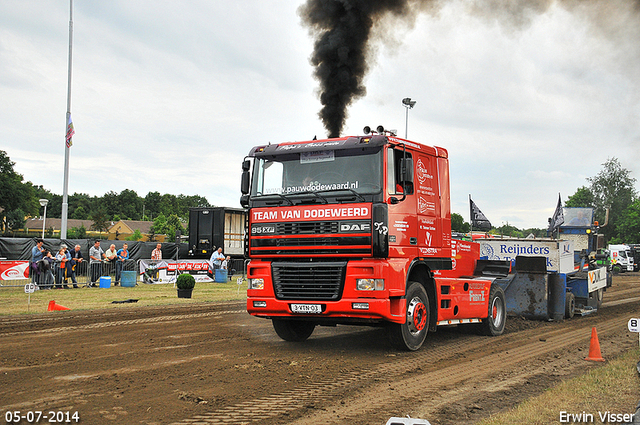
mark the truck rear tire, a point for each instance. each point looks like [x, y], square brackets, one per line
[496, 319]
[411, 334]
[570, 305]
[293, 330]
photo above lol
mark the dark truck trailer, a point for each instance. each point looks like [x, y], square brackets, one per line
[213, 227]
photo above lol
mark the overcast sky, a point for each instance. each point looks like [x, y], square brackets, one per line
[171, 98]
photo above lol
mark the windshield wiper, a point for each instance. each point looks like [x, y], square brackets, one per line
[348, 190]
[308, 192]
[279, 201]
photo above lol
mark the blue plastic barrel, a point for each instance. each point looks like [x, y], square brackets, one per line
[221, 275]
[128, 279]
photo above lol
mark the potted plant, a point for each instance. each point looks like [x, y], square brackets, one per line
[185, 283]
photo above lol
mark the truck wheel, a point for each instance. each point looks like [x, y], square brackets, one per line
[598, 295]
[496, 320]
[411, 334]
[569, 305]
[293, 330]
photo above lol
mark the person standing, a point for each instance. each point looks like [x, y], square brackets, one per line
[45, 264]
[122, 256]
[96, 254]
[62, 257]
[36, 255]
[156, 254]
[110, 257]
[76, 258]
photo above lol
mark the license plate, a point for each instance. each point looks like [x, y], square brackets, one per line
[306, 308]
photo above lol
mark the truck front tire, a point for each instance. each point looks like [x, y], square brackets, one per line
[411, 334]
[293, 330]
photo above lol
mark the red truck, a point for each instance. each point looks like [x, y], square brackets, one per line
[357, 230]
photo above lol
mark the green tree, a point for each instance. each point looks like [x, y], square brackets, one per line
[130, 205]
[458, 224]
[79, 213]
[136, 236]
[14, 194]
[100, 221]
[507, 230]
[628, 226]
[110, 204]
[15, 219]
[583, 198]
[612, 188]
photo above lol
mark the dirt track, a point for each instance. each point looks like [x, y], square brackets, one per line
[213, 364]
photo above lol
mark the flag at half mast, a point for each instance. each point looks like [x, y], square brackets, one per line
[70, 132]
[478, 220]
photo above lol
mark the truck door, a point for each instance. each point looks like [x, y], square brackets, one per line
[403, 223]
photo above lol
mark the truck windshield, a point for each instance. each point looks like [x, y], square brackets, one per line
[320, 173]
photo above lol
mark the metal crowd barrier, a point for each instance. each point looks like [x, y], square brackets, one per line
[82, 271]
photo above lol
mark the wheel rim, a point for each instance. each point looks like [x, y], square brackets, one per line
[416, 316]
[497, 311]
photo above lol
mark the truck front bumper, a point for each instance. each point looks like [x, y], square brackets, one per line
[343, 311]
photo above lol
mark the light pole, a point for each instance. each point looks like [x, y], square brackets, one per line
[409, 104]
[44, 203]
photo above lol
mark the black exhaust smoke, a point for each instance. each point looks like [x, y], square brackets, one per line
[343, 29]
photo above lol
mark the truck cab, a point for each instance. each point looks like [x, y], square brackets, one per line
[621, 258]
[351, 230]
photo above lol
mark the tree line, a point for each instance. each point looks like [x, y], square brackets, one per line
[20, 199]
[612, 190]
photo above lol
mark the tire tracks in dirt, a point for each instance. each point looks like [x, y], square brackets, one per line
[424, 371]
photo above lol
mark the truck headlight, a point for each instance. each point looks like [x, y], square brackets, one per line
[256, 283]
[370, 284]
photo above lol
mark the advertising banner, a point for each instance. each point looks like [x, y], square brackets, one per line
[11, 270]
[559, 254]
[153, 271]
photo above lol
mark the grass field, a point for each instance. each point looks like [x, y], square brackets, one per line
[14, 300]
[613, 388]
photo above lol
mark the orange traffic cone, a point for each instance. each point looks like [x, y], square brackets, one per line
[56, 307]
[594, 347]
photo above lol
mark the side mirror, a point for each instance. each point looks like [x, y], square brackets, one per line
[245, 182]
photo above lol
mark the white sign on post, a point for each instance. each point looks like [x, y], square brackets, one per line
[29, 288]
[634, 326]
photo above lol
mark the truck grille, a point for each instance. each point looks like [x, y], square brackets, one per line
[310, 238]
[307, 227]
[308, 281]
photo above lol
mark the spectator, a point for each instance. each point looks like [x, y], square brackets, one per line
[61, 275]
[44, 265]
[76, 258]
[156, 254]
[216, 259]
[36, 255]
[110, 257]
[96, 254]
[122, 256]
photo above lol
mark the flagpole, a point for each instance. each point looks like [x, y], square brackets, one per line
[470, 219]
[65, 188]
